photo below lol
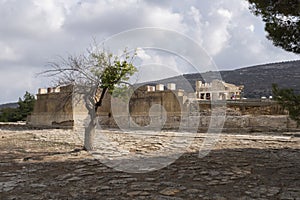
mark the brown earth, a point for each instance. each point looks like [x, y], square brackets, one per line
[49, 164]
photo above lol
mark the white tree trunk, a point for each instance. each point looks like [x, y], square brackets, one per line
[89, 133]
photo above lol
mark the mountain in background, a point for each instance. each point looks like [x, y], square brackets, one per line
[257, 80]
[9, 105]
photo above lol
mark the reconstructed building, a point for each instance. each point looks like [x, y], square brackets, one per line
[219, 89]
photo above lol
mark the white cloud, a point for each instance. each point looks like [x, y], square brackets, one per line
[217, 31]
[52, 11]
[195, 13]
[157, 64]
[224, 13]
[196, 24]
[250, 28]
[111, 17]
[17, 80]
[163, 18]
[7, 53]
[142, 54]
[33, 32]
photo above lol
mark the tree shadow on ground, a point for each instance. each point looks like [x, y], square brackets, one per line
[245, 173]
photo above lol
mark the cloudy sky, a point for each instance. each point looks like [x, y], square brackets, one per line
[34, 32]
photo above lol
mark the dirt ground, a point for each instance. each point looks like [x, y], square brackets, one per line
[49, 164]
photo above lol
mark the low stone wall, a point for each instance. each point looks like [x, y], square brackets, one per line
[244, 123]
[13, 125]
[55, 120]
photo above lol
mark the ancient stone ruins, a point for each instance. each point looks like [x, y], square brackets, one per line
[250, 161]
[165, 107]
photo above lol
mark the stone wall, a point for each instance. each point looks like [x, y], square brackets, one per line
[53, 108]
[244, 123]
[241, 115]
[169, 109]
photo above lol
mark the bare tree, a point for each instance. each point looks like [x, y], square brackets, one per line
[92, 75]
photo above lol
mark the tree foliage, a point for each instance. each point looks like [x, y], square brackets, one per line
[282, 21]
[289, 100]
[93, 74]
[9, 115]
[25, 107]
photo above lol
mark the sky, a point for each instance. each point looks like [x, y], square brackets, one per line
[36, 32]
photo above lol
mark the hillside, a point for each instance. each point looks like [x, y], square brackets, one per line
[9, 105]
[256, 79]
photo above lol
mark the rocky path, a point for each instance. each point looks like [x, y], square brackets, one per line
[48, 164]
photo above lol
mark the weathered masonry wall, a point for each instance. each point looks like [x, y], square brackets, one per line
[161, 109]
[61, 108]
[53, 108]
[241, 116]
[245, 123]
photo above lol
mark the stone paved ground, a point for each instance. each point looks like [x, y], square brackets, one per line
[48, 164]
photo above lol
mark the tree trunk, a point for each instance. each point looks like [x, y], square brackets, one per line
[89, 130]
[99, 103]
[89, 133]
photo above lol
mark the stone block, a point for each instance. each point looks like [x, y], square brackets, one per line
[236, 122]
[171, 86]
[268, 122]
[42, 91]
[160, 87]
[150, 88]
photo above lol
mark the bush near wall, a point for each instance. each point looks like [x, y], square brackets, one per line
[25, 107]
